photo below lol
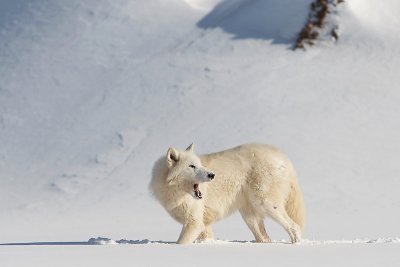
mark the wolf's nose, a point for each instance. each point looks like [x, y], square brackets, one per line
[211, 176]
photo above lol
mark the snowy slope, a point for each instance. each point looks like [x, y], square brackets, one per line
[92, 92]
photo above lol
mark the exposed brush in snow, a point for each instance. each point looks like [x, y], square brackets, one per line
[319, 26]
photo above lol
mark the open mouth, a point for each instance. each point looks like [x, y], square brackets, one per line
[197, 191]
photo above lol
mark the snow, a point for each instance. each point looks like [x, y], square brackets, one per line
[93, 92]
[204, 5]
[214, 254]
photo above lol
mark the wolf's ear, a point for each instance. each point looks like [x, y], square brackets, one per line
[190, 148]
[172, 156]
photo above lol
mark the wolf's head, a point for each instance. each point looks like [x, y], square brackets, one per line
[185, 166]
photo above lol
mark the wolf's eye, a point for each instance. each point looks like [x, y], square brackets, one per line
[192, 166]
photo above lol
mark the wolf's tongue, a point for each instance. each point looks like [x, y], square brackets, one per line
[197, 192]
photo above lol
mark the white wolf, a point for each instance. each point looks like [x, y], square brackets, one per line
[258, 180]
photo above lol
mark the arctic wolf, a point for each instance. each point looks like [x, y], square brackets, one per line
[257, 180]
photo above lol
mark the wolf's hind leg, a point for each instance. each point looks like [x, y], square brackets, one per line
[256, 225]
[263, 232]
[280, 216]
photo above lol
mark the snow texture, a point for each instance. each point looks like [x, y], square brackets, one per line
[93, 92]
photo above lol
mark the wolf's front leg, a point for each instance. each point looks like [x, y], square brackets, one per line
[206, 233]
[189, 233]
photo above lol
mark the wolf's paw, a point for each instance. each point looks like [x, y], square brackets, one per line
[295, 234]
[263, 240]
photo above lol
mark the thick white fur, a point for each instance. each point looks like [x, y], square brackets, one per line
[255, 179]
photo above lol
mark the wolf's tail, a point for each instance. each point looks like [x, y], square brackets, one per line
[295, 206]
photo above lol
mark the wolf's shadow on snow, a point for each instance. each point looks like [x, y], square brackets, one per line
[90, 242]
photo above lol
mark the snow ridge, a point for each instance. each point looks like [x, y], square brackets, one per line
[321, 24]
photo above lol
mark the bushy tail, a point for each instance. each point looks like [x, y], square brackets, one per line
[295, 206]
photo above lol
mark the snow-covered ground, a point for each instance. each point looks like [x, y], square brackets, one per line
[92, 92]
[230, 254]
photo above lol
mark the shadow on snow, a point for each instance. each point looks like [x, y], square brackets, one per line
[279, 21]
